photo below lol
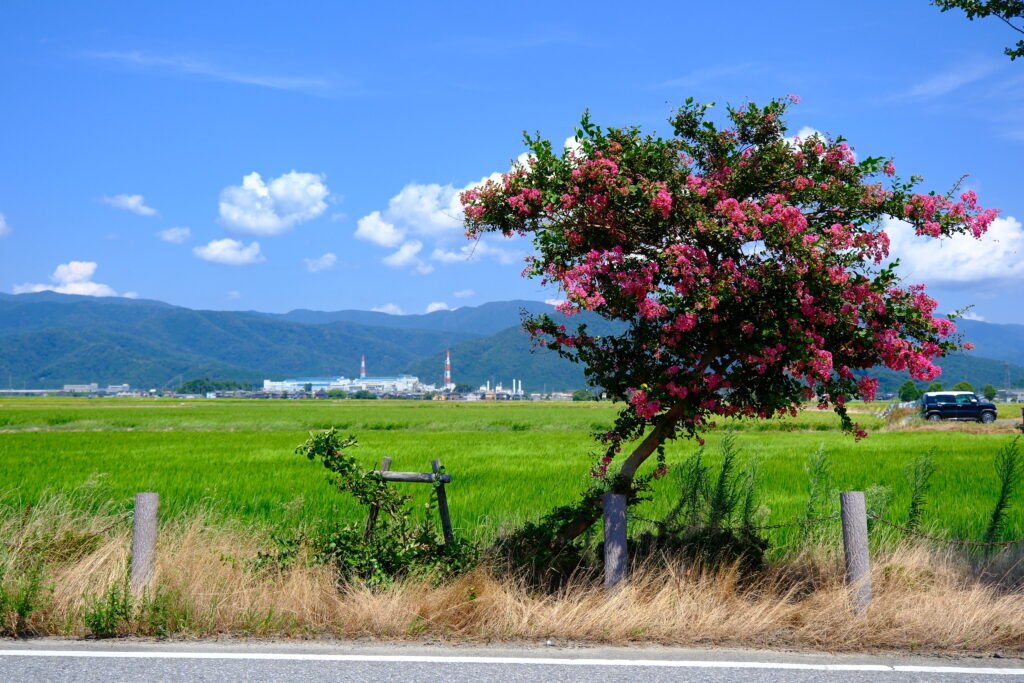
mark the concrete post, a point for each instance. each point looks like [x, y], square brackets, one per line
[855, 547]
[614, 539]
[144, 540]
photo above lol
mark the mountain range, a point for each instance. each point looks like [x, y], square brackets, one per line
[49, 339]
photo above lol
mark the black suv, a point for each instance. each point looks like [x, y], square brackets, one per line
[956, 405]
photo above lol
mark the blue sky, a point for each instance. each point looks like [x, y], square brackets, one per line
[146, 148]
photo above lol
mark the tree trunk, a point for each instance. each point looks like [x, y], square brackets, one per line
[586, 518]
[657, 437]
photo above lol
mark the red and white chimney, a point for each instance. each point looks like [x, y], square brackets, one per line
[448, 370]
[362, 368]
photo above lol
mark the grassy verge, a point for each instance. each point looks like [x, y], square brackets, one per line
[64, 574]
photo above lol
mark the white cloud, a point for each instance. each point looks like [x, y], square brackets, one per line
[804, 133]
[952, 79]
[437, 306]
[475, 251]
[997, 256]
[135, 203]
[418, 212]
[373, 228]
[554, 302]
[807, 132]
[131, 295]
[464, 293]
[407, 257]
[233, 295]
[427, 209]
[390, 309]
[74, 277]
[325, 262]
[229, 252]
[5, 229]
[259, 208]
[971, 315]
[175, 235]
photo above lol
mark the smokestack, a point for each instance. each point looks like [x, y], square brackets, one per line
[362, 368]
[447, 368]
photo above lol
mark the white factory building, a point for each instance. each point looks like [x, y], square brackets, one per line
[402, 384]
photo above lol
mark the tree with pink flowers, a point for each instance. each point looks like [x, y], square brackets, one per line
[748, 271]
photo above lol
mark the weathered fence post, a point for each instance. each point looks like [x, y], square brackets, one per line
[442, 505]
[855, 546]
[371, 517]
[144, 540]
[614, 539]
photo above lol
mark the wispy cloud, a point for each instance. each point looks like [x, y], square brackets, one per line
[192, 65]
[703, 75]
[952, 79]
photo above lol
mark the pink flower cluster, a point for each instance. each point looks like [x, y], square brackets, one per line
[646, 408]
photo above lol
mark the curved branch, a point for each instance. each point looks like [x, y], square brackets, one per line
[661, 431]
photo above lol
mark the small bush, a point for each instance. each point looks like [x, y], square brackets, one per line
[399, 546]
[108, 615]
[20, 599]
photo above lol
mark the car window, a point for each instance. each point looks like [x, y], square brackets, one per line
[963, 398]
[945, 398]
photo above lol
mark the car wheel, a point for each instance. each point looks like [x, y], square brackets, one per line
[988, 418]
[934, 417]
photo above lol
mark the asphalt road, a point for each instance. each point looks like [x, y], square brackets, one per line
[120, 660]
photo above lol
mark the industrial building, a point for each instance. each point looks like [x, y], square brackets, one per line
[401, 384]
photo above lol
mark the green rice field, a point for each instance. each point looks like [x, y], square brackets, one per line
[509, 461]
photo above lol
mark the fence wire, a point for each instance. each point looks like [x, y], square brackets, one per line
[747, 529]
[817, 520]
[947, 541]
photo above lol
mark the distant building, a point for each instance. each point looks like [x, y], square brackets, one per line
[81, 388]
[402, 384]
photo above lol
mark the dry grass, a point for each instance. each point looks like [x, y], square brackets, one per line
[924, 600]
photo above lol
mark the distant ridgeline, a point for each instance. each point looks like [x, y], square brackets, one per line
[48, 340]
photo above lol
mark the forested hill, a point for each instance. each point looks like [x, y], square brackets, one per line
[48, 339]
[480, 320]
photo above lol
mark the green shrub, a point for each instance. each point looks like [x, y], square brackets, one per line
[401, 543]
[108, 615]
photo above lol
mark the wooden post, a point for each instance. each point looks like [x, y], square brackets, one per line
[614, 539]
[855, 545]
[442, 505]
[144, 540]
[371, 518]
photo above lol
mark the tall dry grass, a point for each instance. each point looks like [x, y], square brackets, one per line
[205, 585]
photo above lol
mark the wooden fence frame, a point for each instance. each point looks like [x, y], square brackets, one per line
[435, 477]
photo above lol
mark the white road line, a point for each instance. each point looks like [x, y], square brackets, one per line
[549, 661]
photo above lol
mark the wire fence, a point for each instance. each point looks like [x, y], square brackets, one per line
[746, 529]
[947, 541]
[662, 524]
